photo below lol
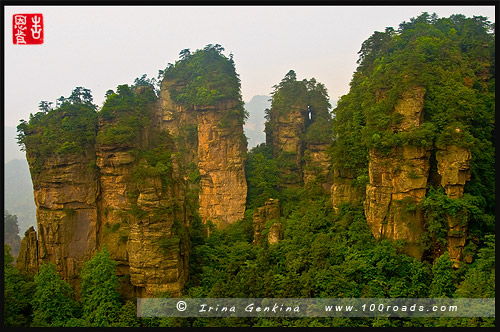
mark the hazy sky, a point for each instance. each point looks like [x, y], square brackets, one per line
[102, 47]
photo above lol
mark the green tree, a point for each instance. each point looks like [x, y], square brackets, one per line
[261, 172]
[443, 284]
[99, 290]
[53, 301]
[128, 315]
[18, 293]
[479, 280]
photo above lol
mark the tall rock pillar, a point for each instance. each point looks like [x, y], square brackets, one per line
[398, 180]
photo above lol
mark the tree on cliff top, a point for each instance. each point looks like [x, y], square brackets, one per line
[69, 128]
[204, 78]
[453, 61]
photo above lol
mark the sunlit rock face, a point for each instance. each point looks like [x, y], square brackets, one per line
[215, 146]
[65, 191]
[453, 164]
[269, 213]
[398, 181]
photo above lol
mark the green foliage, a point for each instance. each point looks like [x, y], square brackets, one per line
[156, 162]
[438, 207]
[53, 302]
[319, 132]
[443, 282]
[205, 78]
[261, 172]
[128, 316]
[479, 281]
[18, 294]
[125, 113]
[452, 59]
[99, 290]
[69, 128]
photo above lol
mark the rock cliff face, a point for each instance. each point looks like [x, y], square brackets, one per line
[65, 193]
[137, 196]
[116, 165]
[317, 164]
[275, 233]
[27, 259]
[215, 147]
[221, 150]
[283, 134]
[342, 189]
[398, 180]
[454, 167]
[269, 212]
[395, 189]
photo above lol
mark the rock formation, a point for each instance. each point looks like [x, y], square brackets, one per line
[342, 189]
[270, 212]
[216, 148]
[398, 180]
[65, 193]
[27, 259]
[221, 150]
[283, 133]
[275, 233]
[453, 164]
[317, 164]
[298, 131]
[136, 196]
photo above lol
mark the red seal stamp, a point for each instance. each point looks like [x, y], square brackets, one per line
[27, 29]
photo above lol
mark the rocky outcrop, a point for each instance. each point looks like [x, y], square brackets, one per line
[221, 150]
[100, 198]
[317, 164]
[65, 193]
[283, 134]
[397, 184]
[275, 233]
[270, 212]
[213, 141]
[342, 189]
[116, 166]
[453, 164]
[398, 180]
[147, 167]
[27, 259]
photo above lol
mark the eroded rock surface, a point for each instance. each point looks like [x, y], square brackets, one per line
[269, 212]
[398, 180]
[453, 164]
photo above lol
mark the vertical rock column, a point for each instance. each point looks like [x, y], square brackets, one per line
[398, 182]
[270, 211]
[454, 168]
[116, 165]
[318, 164]
[65, 193]
[27, 259]
[283, 133]
[221, 150]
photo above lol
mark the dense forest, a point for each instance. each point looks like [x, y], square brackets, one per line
[324, 251]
